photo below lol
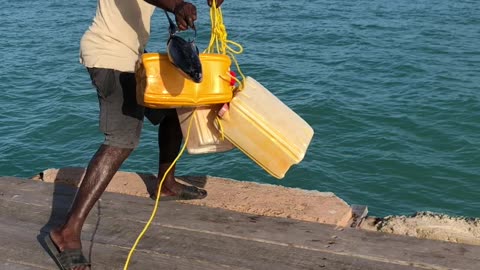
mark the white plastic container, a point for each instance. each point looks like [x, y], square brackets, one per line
[266, 129]
[204, 137]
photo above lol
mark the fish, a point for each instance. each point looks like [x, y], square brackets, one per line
[184, 54]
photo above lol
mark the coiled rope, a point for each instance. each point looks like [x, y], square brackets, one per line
[219, 42]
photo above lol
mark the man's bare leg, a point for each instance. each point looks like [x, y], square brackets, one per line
[100, 171]
[169, 142]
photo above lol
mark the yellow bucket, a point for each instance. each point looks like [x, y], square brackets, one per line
[161, 85]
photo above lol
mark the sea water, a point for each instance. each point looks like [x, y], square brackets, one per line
[391, 88]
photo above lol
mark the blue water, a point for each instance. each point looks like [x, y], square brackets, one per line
[391, 89]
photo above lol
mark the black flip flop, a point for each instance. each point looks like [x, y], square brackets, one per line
[192, 193]
[187, 193]
[67, 259]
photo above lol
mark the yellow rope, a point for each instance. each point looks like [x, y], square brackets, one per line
[157, 201]
[219, 42]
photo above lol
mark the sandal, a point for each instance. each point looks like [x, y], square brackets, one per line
[192, 193]
[67, 259]
[187, 193]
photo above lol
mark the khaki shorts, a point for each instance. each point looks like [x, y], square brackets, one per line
[121, 118]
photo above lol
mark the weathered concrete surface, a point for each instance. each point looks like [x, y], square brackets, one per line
[428, 225]
[277, 201]
[184, 236]
[245, 197]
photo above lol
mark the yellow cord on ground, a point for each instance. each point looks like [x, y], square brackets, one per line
[157, 201]
[219, 42]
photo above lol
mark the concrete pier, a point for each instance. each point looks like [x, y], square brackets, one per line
[189, 236]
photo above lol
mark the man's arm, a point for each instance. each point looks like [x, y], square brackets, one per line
[168, 5]
[185, 12]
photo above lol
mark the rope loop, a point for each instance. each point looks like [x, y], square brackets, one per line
[219, 42]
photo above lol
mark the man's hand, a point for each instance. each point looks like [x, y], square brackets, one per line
[218, 3]
[185, 15]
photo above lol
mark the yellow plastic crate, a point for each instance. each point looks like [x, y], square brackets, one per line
[161, 85]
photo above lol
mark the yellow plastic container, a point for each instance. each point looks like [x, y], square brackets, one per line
[161, 85]
[265, 129]
[204, 137]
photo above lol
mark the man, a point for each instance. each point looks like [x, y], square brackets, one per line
[109, 50]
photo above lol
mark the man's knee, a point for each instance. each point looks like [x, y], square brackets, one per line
[124, 138]
[120, 143]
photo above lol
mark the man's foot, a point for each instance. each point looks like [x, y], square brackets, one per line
[63, 241]
[66, 258]
[183, 192]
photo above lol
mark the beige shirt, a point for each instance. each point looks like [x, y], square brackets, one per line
[118, 34]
